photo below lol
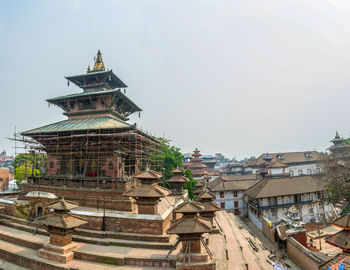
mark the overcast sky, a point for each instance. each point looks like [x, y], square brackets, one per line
[236, 77]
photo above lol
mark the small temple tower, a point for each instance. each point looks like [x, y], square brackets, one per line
[148, 195]
[178, 181]
[338, 146]
[60, 223]
[189, 229]
[207, 198]
[196, 166]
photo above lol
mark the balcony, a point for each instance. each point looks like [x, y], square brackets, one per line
[285, 205]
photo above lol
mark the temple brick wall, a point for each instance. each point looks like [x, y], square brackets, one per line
[60, 240]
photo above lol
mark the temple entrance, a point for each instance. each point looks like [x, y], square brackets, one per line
[39, 211]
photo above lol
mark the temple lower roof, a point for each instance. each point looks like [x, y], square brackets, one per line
[84, 123]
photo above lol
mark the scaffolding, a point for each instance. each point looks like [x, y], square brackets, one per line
[91, 157]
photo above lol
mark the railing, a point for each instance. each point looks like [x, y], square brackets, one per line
[285, 205]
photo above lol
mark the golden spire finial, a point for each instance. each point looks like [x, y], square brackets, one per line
[99, 62]
[88, 68]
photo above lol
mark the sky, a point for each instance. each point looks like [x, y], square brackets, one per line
[227, 76]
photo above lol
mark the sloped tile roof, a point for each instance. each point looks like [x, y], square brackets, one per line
[343, 222]
[189, 207]
[274, 187]
[190, 225]
[84, 123]
[148, 191]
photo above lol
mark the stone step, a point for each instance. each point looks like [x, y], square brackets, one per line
[122, 242]
[19, 257]
[91, 233]
[93, 240]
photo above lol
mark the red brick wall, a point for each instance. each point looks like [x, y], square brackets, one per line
[60, 240]
[300, 237]
[299, 255]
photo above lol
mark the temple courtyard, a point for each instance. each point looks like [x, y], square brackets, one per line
[231, 249]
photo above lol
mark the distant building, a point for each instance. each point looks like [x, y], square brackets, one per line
[196, 166]
[237, 169]
[339, 145]
[229, 191]
[5, 161]
[272, 197]
[292, 163]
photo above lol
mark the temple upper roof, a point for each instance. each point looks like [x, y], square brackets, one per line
[97, 79]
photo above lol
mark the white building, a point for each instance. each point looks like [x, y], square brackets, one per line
[229, 192]
[296, 163]
[272, 197]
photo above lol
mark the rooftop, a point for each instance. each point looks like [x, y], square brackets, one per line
[274, 187]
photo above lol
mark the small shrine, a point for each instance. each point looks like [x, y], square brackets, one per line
[38, 201]
[60, 223]
[148, 194]
[207, 198]
[342, 238]
[177, 181]
[189, 229]
[199, 187]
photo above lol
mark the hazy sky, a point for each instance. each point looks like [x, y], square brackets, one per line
[236, 77]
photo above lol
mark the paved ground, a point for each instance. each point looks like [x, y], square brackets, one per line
[263, 242]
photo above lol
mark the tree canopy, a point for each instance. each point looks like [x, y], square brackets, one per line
[169, 158]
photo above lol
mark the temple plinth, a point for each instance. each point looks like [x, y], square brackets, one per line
[60, 223]
[148, 195]
[177, 181]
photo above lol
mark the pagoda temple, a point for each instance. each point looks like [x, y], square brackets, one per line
[196, 166]
[91, 155]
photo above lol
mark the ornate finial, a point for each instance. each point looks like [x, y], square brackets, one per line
[88, 69]
[337, 135]
[99, 62]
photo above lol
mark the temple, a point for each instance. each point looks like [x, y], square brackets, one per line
[92, 154]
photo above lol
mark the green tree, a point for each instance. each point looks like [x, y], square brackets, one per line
[190, 184]
[22, 172]
[32, 160]
[167, 159]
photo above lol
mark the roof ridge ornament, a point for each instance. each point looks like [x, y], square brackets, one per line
[99, 66]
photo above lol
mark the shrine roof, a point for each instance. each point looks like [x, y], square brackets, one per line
[178, 179]
[84, 123]
[206, 195]
[210, 207]
[65, 221]
[189, 207]
[190, 226]
[148, 191]
[62, 204]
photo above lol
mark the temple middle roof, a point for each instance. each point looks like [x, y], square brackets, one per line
[74, 124]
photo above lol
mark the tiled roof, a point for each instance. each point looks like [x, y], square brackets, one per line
[189, 207]
[274, 187]
[289, 157]
[205, 195]
[65, 221]
[147, 174]
[178, 179]
[190, 225]
[62, 204]
[210, 207]
[148, 191]
[84, 123]
[340, 239]
[221, 184]
[343, 222]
